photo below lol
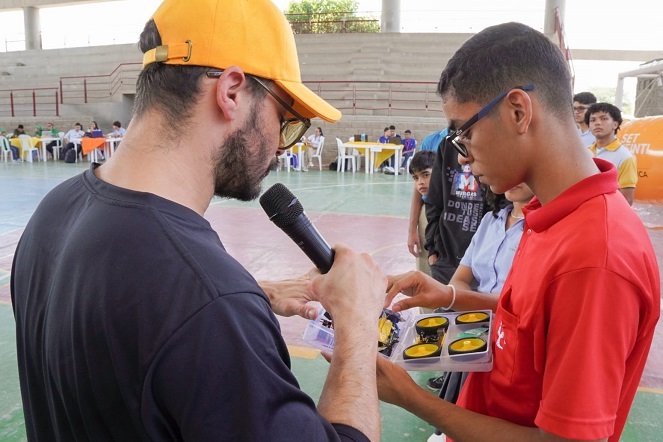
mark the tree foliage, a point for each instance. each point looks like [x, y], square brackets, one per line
[328, 16]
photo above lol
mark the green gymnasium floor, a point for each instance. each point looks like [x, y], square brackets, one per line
[367, 212]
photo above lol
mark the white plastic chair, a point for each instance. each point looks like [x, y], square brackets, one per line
[58, 146]
[407, 164]
[6, 150]
[342, 156]
[318, 152]
[356, 153]
[285, 157]
[28, 146]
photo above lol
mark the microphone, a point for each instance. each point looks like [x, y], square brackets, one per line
[285, 210]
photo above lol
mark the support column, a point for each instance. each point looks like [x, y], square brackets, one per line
[549, 17]
[391, 16]
[32, 28]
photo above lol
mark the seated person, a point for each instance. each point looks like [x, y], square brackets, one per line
[312, 144]
[384, 139]
[118, 130]
[93, 126]
[72, 140]
[20, 130]
[38, 131]
[94, 131]
[50, 132]
[409, 146]
[392, 137]
[15, 154]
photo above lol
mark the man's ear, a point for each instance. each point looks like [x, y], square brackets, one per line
[230, 89]
[520, 109]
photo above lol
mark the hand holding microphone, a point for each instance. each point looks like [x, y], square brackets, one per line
[354, 287]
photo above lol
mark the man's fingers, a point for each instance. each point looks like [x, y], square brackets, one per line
[309, 312]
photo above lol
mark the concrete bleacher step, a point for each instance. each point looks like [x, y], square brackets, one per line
[374, 49]
[370, 61]
[368, 72]
[384, 61]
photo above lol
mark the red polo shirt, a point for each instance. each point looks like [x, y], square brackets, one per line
[576, 316]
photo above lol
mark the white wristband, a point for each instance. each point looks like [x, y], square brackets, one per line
[453, 298]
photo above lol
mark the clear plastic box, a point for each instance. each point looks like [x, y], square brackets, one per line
[319, 334]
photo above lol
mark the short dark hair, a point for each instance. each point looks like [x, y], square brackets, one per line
[609, 109]
[506, 56]
[421, 161]
[20, 126]
[386, 129]
[172, 89]
[392, 127]
[407, 131]
[117, 123]
[585, 98]
[78, 124]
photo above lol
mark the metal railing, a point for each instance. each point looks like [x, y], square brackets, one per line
[83, 89]
[29, 102]
[380, 98]
[403, 98]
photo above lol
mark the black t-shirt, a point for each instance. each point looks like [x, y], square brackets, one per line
[134, 323]
[454, 208]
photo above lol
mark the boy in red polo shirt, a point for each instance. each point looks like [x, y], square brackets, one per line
[576, 316]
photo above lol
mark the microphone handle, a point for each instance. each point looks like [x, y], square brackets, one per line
[306, 236]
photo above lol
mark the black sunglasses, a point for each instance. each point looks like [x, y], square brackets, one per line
[453, 136]
[292, 129]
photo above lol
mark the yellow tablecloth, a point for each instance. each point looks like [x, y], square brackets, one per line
[17, 143]
[380, 157]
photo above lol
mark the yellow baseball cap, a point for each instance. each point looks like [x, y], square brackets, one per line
[251, 34]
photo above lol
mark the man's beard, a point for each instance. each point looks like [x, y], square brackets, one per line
[239, 166]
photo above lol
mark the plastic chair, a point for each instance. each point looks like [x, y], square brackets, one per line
[407, 164]
[358, 155]
[286, 156]
[342, 156]
[6, 150]
[28, 146]
[58, 146]
[318, 152]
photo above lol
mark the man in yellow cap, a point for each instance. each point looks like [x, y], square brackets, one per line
[133, 322]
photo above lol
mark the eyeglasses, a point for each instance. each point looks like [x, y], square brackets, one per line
[454, 135]
[580, 108]
[292, 129]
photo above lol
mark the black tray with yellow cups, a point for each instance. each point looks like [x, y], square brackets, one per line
[449, 341]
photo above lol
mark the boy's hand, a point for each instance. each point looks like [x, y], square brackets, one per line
[413, 243]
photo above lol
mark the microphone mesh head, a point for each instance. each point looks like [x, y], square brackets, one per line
[281, 206]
